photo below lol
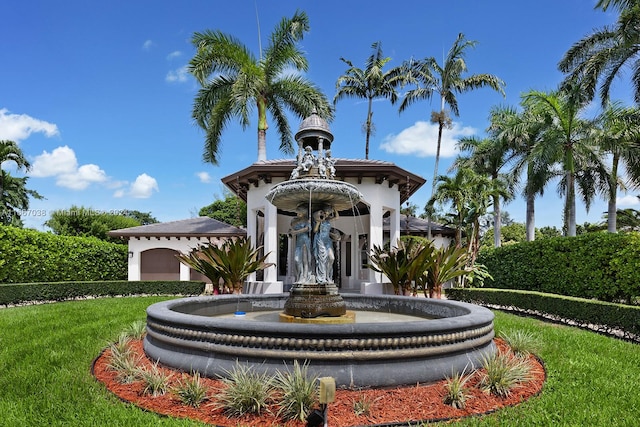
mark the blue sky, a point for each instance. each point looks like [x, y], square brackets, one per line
[98, 97]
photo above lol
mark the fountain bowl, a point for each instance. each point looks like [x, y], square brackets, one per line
[192, 334]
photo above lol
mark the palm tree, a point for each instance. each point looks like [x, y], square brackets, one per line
[565, 141]
[489, 157]
[233, 80]
[14, 198]
[371, 83]
[447, 81]
[598, 58]
[521, 131]
[618, 134]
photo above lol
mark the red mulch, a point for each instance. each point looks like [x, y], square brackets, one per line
[391, 405]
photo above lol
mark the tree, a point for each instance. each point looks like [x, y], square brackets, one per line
[233, 80]
[447, 81]
[371, 83]
[628, 219]
[81, 221]
[565, 141]
[232, 210]
[521, 131]
[14, 198]
[489, 157]
[597, 59]
[144, 218]
[618, 133]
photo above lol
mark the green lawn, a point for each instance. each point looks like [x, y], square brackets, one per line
[46, 353]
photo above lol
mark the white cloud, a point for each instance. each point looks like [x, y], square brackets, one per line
[421, 140]
[18, 127]
[204, 177]
[180, 75]
[148, 44]
[61, 160]
[143, 187]
[173, 55]
[627, 200]
[82, 178]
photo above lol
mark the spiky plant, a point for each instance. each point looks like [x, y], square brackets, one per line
[191, 390]
[245, 391]
[137, 329]
[297, 390]
[522, 343]
[503, 372]
[124, 361]
[156, 382]
[456, 390]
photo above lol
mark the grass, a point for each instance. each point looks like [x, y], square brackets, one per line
[46, 353]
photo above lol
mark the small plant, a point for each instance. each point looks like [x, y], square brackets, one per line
[503, 372]
[137, 329]
[298, 392]
[124, 361]
[456, 390]
[363, 405]
[522, 343]
[156, 382]
[191, 390]
[246, 392]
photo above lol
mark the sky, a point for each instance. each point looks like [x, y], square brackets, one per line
[98, 97]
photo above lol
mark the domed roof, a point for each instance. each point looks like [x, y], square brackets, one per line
[312, 128]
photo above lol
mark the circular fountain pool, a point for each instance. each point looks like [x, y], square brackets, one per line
[431, 340]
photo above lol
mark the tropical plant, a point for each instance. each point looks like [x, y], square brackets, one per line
[124, 361]
[232, 210]
[297, 390]
[245, 391]
[14, 198]
[628, 219]
[618, 133]
[447, 264]
[521, 343]
[403, 264]
[597, 59]
[456, 390]
[521, 131]
[232, 262]
[233, 80]
[566, 141]
[371, 83]
[489, 157]
[156, 381]
[447, 81]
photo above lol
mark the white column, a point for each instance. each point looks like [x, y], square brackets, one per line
[375, 234]
[271, 241]
[252, 233]
[394, 227]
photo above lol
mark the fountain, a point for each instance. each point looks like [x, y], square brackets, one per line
[360, 340]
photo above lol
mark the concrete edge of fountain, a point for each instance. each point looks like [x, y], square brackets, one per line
[180, 335]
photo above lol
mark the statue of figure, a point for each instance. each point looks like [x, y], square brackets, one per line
[330, 164]
[323, 243]
[300, 229]
[308, 159]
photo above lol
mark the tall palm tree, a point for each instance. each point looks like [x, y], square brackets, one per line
[597, 59]
[233, 81]
[447, 81]
[14, 198]
[565, 141]
[521, 131]
[10, 152]
[618, 133]
[488, 157]
[371, 83]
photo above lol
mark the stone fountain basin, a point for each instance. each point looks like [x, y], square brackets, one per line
[446, 337]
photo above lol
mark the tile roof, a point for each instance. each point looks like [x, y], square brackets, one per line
[203, 226]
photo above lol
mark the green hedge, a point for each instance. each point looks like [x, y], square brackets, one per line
[604, 315]
[34, 256]
[603, 266]
[16, 293]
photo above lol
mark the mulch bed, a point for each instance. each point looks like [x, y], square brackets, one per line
[388, 407]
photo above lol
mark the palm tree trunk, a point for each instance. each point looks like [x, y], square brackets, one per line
[570, 207]
[531, 215]
[497, 222]
[368, 131]
[262, 129]
[435, 168]
[613, 194]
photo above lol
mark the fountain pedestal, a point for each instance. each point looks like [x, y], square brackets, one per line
[315, 300]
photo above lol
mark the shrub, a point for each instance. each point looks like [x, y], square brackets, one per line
[521, 343]
[156, 382]
[503, 372]
[124, 361]
[363, 405]
[456, 390]
[603, 266]
[34, 256]
[298, 392]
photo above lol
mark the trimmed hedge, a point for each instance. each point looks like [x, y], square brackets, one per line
[603, 266]
[34, 256]
[16, 293]
[604, 315]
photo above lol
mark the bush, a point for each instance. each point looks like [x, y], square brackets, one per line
[17, 293]
[34, 256]
[602, 266]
